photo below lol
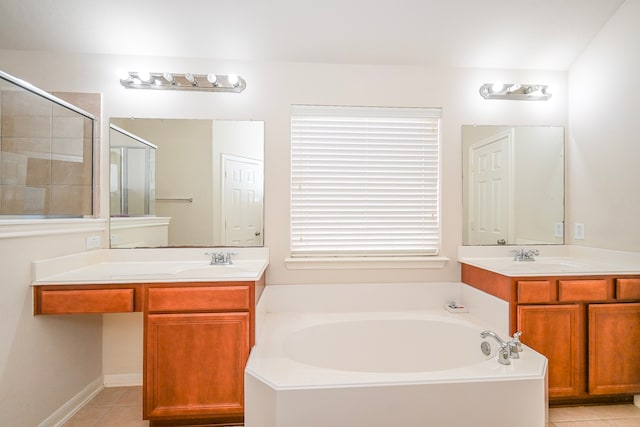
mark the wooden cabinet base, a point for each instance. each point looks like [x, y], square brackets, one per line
[614, 352]
[194, 364]
[217, 422]
[197, 338]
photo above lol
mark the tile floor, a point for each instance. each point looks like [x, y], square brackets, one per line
[122, 407]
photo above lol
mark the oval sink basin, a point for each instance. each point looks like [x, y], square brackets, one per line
[134, 268]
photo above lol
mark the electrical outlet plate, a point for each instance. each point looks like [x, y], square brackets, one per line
[579, 231]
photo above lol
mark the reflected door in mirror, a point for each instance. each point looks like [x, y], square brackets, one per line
[242, 201]
[513, 185]
[490, 199]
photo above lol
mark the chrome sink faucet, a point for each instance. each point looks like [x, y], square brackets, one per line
[525, 254]
[220, 258]
[508, 350]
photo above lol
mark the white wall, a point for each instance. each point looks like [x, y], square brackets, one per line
[604, 144]
[45, 361]
[271, 89]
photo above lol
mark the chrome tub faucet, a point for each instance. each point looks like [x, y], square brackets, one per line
[220, 258]
[508, 350]
[525, 254]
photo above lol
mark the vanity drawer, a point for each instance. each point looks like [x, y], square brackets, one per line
[583, 290]
[86, 301]
[198, 298]
[536, 291]
[628, 288]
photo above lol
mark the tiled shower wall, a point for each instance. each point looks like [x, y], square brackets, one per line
[47, 154]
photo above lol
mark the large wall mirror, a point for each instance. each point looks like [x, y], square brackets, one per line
[185, 182]
[513, 185]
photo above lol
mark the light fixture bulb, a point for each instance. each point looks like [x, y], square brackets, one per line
[233, 79]
[532, 89]
[144, 76]
[123, 74]
[514, 87]
[497, 87]
[169, 77]
[212, 78]
[190, 78]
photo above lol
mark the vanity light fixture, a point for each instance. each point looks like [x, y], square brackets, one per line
[169, 78]
[145, 76]
[516, 91]
[212, 78]
[187, 81]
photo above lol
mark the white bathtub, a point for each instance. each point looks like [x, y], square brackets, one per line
[395, 358]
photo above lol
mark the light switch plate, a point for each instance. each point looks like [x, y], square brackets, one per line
[93, 242]
[558, 229]
[579, 231]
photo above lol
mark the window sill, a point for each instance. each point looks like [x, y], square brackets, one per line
[354, 263]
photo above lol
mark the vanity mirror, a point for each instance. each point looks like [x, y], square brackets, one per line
[513, 185]
[203, 183]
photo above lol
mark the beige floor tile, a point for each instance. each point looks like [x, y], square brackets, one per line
[131, 396]
[108, 396]
[122, 416]
[122, 407]
[585, 413]
[617, 411]
[627, 422]
[87, 416]
[618, 422]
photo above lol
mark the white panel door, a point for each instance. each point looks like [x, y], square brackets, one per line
[242, 201]
[490, 188]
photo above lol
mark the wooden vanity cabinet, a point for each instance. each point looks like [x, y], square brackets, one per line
[614, 349]
[197, 341]
[557, 331]
[85, 299]
[587, 326]
[197, 338]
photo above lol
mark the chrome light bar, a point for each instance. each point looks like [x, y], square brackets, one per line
[516, 91]
[187, 81]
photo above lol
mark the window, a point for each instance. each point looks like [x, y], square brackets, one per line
[364, 181]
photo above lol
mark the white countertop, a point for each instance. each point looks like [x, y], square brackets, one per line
[150, 265]
[558, 260]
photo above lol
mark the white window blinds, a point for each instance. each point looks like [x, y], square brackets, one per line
[364, 181]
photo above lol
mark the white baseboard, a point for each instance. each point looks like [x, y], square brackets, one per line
[66, 411]
[122, 380]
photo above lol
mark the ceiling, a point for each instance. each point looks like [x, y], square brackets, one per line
[519, 34]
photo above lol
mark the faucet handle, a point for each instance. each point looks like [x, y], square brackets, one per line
[518, 254]
[516, 341]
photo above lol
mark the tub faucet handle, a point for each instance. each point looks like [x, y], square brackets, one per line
[516, 340]
[515, 346]
[503, 356]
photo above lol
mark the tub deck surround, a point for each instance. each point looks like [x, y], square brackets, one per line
[381, 355]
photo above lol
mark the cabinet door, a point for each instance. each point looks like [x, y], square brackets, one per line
[194, 365]
[614, 352]
[557, 331]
